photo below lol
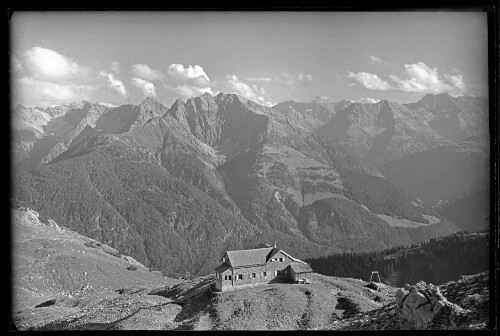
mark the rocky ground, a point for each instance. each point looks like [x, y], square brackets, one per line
[464, 305]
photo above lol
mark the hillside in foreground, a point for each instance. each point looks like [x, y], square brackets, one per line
[52, 262]
[327, 303]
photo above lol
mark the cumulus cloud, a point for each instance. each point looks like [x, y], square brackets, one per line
[370, 81]
[45, 77]
[147, 88]
[46, 64]
[189, 81]
[145, 72]
[193, 74]
[113, 83]
[415, 78]
[367, 100]
[243, 89]
[255, 93]
[420, 78]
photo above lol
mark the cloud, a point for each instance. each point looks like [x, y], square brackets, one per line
[108, 104]
[291, 80]
[145, 72]
[190, 81]
[262, 101]
[243, 89]
[114, 84]
[367, 100]
[193, 74]
[420, 78]
[234, 84]
[35, 92]
[259, 79]
[115, 67]
[147, 88]
[45, 77]
[374, 60]
[50, 65]
[16, 65]
[416, 78]
[370, 81]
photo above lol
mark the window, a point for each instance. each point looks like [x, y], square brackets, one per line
[253, 275]
[281, 259]
[275, 273]
[264, 274]
[240, 276]
[227, 277]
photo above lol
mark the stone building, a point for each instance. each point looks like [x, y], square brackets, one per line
[261, 265]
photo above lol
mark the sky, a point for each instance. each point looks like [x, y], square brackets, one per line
[268, 57]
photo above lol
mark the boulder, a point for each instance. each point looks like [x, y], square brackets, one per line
[422, 305]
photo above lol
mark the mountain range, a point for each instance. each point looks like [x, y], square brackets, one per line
[176, 187]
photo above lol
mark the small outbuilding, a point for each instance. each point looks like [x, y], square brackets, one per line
[300, 272]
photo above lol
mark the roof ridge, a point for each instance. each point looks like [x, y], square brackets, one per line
[260, 248]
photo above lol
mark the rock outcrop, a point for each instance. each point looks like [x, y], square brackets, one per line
[422, 305]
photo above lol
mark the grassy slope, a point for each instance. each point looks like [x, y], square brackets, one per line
[50, 261]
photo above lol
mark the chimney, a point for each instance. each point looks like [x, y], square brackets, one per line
[274, 243]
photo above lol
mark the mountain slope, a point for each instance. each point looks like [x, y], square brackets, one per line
[471, 213]
[59, 133]
[177, 187]
[385, 131]
[51, 261]
[315, 113]
[443, 174]
[455, 118]
[136, 206]
[380, 132]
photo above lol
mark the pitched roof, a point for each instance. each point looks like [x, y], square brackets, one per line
[300, 267]
[274, 252]
[223, 267]
[277, 250]
[248, 257]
